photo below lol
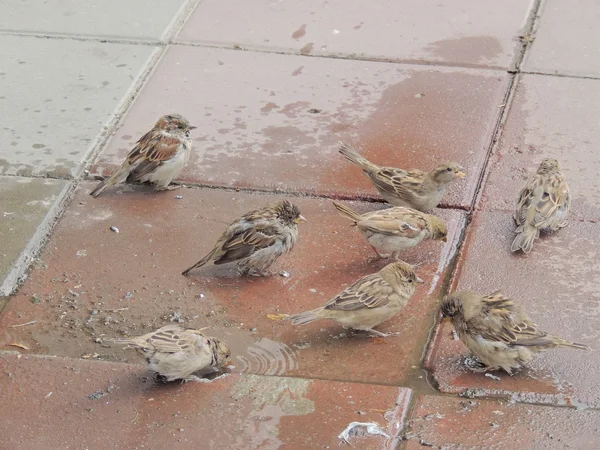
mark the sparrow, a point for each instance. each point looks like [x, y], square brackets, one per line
[410, 188]
[174, 353]
[497, 330]
[395, 229]
[157, 157]
[257, 239]
[371, 300]
[543, 204]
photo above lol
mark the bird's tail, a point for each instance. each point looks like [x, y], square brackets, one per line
[525, 238]
[355, 157]
[347, 212]
[128, 342]
[113, 179]
[562, 343]
[305, 317]
[200, 263]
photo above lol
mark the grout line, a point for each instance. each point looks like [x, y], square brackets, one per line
[560, 75]
[513, 82]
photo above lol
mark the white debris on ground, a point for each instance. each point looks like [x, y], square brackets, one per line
[359, 429]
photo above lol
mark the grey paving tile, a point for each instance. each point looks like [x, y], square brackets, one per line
[550, 117]
[134, 19]
[24, 205]
[471, 32]
[566, 41]
[55, 97]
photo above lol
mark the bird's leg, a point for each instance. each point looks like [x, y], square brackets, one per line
[170, 187]
[380, 255]
[376, 333]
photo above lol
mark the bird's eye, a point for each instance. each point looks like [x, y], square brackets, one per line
[410, 280]
[449, 169]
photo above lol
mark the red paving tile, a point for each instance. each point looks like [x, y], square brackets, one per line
[472, 32]
[565, 39]
[78, 291]
[557, 284]
[448, 422]
[292, 111]
[100, 405]
[550, 116]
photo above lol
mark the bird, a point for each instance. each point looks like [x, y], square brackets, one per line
[543, 204]
[368, 302]
[395, 229]
[257, 239]
[174, 353]
[497, 330]
[157, 157]
[412, 188]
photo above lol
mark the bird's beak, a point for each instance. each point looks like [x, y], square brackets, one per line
[444, 239]
[300, 219]
[460, 172]
[191, 127]
[419, 280]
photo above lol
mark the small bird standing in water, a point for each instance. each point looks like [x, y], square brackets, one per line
[497, 330]
[413, 188]
[175, 353]
[395, 229]
[543, 204]
[368, 302]
[257, 239]
[157, 157]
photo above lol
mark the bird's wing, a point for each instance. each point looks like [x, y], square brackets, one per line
[150, 152]
[394, 223]
[371, 291]
[505, 321]
[245, 243]
[540, 198]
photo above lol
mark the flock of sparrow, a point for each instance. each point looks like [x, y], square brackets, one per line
[493, 327]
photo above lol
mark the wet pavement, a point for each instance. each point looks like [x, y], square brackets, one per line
[489, 86]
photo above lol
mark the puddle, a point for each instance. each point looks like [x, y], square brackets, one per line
[267, 357]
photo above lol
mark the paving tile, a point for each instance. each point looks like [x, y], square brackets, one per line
[550, 117]
[292, 111]
[470, 33]
[99, 405]
[565, 39]
[52, 122]
[92, 283]
[27, 205]
[447, 422]
[136, 19]
[558, 286]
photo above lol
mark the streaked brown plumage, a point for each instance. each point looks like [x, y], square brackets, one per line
[413, 188]
[395, 229]
[543, 204]
[175, 353]
[157, 157]
[497, 330]
[371, 300]
[257, 239]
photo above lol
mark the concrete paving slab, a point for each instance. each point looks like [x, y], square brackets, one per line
[133, 19]
[73, 88]
[557, 284]
[550, 117]
[447, 422]
[92, 284]
[274, 121]
[27, 207]
[470, 33]
[99, 405]
[566, 39]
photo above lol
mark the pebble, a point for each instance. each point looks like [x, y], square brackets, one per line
[115, 229]
[179, 197]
